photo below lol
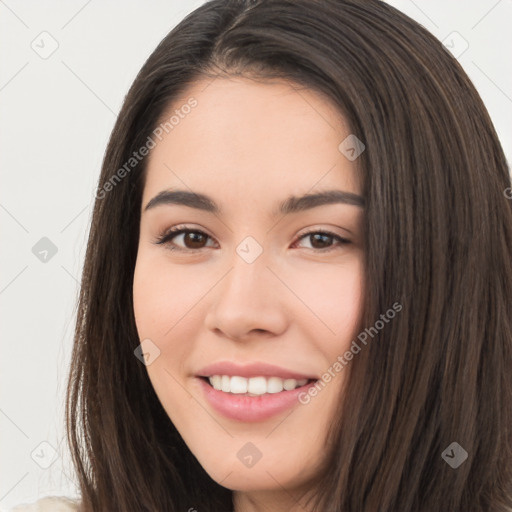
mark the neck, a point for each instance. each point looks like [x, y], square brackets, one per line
[280, 500]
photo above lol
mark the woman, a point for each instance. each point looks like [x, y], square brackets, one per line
[296, 293]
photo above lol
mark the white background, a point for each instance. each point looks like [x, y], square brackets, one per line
[56, 115]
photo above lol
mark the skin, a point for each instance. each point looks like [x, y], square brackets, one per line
[249, 146]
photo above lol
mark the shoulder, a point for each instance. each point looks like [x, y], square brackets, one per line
[49, 504]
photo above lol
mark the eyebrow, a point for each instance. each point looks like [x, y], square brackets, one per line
[292, 204]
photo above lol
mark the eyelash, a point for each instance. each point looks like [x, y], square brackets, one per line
[166, 237]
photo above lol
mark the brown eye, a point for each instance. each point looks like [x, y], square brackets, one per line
[182, 239]
[323, 240]
[194, 239]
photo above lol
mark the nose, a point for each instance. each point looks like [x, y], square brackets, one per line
[248, 302]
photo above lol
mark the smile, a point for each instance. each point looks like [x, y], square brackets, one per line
[254, 386]
[251, 392]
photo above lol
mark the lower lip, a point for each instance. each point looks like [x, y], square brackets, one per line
[251, 408]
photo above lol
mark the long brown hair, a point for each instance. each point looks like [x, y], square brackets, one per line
[438, 231]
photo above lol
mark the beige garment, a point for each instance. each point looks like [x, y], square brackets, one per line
[49, 504]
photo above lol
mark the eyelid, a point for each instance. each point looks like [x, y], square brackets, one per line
[177, 230]
[341, 240]
[325, 231]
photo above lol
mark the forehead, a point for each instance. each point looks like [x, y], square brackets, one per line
[251, 138]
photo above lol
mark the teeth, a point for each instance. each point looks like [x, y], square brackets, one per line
[289, 384]
[225, 384]
[275, 385]
[255, 385]
[216, 382]
[238, 385]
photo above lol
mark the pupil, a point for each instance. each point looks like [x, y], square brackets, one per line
[195, 239]
[323, 239]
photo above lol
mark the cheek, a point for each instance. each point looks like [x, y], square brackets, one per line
[333, 294]
[152, 307]
[169, 312]
[163, 296]
[163, 301]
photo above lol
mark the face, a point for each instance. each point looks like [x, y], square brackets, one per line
[256, 292]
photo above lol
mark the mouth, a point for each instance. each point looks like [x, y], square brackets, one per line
[253, 391]
[252, 399]
[254, 386]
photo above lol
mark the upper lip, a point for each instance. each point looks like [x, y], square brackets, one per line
[255, 369]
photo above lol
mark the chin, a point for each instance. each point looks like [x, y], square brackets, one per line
[271, 475]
